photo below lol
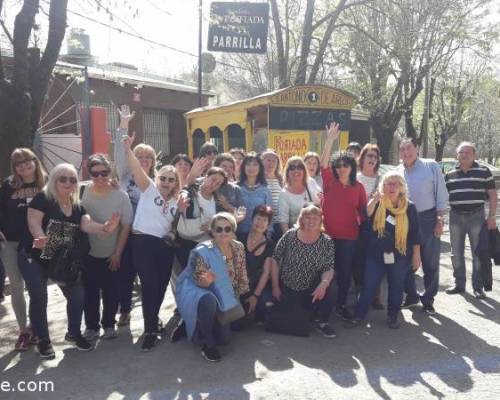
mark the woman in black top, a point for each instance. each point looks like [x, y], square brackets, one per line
[55, 218]
[27, 179]
[258, 251]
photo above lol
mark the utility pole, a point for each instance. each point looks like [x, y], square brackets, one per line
[200, 76]
[425, 122]
[85, 119]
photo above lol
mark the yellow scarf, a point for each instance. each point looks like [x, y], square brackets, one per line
[401, 221]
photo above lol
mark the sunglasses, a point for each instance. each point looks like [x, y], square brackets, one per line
[169, 179]
[66, 179]
[226, 229]
[96, 174]
[342, 165]
[23, 162]
[294, 167]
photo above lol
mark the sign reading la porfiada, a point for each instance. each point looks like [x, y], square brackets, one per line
[238, 27]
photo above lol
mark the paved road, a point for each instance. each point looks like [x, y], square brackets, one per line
[455, 354]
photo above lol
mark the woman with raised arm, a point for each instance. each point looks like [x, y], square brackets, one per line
[344, 207]
[393, 247]
[27, 179]
[151, 233]
[56, 220]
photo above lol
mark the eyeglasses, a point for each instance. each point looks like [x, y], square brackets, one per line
[226, 229]
[211, 153]
[23, 162]
[294, 167]
[65, 179]
[374, 156]
[96, 174]
[391, 184]
[342, 165]
[169, 179]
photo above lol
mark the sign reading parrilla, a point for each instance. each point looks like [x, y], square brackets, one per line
[238, 27]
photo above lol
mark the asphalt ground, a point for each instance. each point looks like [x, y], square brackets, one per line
[454, 354]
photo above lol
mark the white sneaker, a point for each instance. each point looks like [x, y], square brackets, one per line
[91, 334]
[109, 333]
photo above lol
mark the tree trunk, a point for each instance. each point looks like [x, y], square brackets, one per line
[384, 135]
[440, 150]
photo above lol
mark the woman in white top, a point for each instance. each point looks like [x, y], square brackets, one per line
[299, 191]
[274, 179]
[369, 177]
[152, 256]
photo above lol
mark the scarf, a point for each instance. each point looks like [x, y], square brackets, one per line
[401, 221]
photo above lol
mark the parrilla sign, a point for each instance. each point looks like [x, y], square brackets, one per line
[238, 27]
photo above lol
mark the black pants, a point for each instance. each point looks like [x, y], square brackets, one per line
[99, 280]
[183, 250]
[126, 277]
[153, 261]
[321, 309]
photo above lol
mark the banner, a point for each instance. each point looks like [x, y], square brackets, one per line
[288, 144]
[238, 27]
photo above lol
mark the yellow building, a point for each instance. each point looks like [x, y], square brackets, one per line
[290, 120]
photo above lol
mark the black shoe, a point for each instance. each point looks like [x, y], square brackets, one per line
[344, 313]
[179, 331]
[454, 290]
[210, 353]
[428, 309]
[161, 331]
[326, 330]
[81, 343]
[393, 323]
[479, 294]
[45, 350]
[149, 342]
[410, 303]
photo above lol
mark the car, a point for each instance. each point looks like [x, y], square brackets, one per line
[449, 163]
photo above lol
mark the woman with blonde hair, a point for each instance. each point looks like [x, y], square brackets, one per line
[393, 247]
[313, 164]
[299, 191]
[26, 180]
[56, 220]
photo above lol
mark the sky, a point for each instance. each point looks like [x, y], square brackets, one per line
[173, 23]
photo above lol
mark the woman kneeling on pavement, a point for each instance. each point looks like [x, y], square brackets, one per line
[211, 285]
[304, 267]
[55, 218]
[393, 247]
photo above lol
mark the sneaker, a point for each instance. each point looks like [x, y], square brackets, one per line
[479, 294]
[393, 323]
[454, 290]
[210, 353]
[110, 333]
[161, 331]
[326, 330]
[91, 334]
[429, 309]
[23, 342]
[149, 342]
[45, 350]
[179, 331]
[344, 313]
[79, 341]
[353, 323]
[410, 303]
[124, 319]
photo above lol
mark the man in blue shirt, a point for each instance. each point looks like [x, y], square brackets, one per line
[427, 190]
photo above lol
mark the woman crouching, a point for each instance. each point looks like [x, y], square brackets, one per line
[209, 288]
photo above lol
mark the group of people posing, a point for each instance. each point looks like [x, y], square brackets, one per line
[239, 237]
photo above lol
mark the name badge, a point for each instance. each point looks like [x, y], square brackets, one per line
[388, 258]
[391, 220]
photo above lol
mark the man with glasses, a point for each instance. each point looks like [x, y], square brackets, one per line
[427, 190]
[469, 185]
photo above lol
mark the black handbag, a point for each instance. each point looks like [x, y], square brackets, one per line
[65, 266]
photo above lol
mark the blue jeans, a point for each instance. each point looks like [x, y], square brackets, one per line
[374, 273]
[209, 330]
[460, 225]
[35, 277]
[344, 264]
[430, 252]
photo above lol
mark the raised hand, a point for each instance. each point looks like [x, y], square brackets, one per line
[127, 141]
[182, 202]
[333, 131]
[125, 116]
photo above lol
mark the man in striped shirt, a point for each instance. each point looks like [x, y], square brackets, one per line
[469, 185]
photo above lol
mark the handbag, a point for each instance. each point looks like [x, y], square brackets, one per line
[233, 314]
[190, 228]
[65, 266]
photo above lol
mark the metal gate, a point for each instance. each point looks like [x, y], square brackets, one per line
[155, 124]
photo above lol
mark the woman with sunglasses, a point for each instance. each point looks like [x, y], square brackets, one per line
[274, 179]
[27, 179]
[297, 193]
[212, 282]
[344, 207]
[55, 219]
[152, 232]
[101, 200]
[369, 162]
[254, 189]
